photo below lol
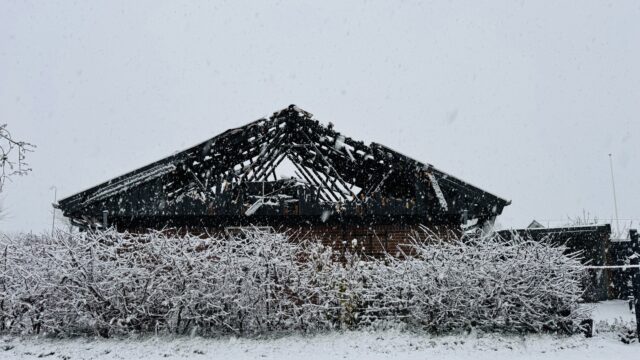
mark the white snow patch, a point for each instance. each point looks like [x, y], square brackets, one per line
[348, 345]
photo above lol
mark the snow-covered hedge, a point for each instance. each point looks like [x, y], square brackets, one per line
[483, 282]
[111, 283]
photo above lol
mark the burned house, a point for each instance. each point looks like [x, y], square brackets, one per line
[341, 190]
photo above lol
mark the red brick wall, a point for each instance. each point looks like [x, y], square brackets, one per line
[372, 240]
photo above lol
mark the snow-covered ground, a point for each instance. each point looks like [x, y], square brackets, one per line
[348, 345]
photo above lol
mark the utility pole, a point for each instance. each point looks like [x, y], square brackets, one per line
[615, 200]
[53, 217]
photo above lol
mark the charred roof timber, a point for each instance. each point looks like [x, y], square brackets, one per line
[231, 180]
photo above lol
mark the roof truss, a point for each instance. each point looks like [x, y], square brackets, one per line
[333, 167]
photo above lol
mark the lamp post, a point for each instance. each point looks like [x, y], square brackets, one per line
[53, 217]
[615, 200]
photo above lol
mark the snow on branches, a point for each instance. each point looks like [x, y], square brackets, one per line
[13, 154]
[483, 282]
[110, 283]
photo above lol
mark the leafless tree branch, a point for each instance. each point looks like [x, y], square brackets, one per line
[13, 155]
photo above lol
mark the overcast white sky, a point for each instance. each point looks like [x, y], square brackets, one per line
[522, 98]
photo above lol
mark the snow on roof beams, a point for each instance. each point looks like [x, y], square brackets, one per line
[132, 181]
[329, 160]
[460, 194]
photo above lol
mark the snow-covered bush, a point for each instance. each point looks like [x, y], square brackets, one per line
[483, 282]
[107, 282]
[258, 283]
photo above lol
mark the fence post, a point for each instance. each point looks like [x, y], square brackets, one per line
[635, 290]
[634, 259]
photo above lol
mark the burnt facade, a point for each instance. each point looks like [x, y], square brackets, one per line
[341, 189]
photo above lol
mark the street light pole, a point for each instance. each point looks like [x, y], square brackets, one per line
[53, 217]
[615, 200]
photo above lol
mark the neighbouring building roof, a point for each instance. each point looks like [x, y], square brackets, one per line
[535, 225]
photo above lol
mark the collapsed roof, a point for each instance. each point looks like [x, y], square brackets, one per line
[232, 178]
